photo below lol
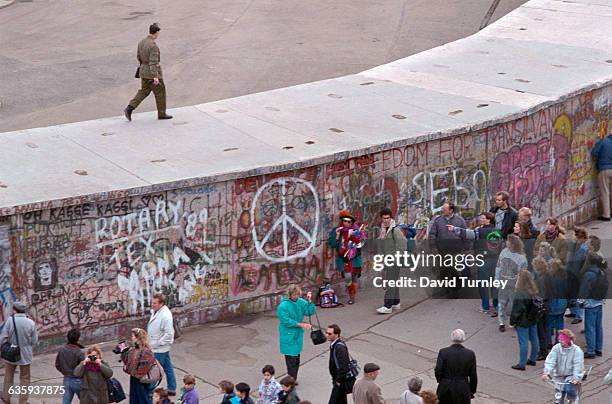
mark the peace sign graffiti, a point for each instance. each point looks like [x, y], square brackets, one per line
[292, 206]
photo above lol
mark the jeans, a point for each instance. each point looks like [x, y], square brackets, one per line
[579, 312]
[505, 303]
[72, 386]
[164, 360]
[487, 271]
[293, 365]
[593, 329]
[140, 393]
[338, 395]
[9, 378]
[555, 322]
[526, 335]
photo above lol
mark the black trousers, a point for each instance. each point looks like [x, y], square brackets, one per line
[293, 365]
[542, 335]
[338, 395]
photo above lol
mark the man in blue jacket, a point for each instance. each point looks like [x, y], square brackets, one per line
[602, 152]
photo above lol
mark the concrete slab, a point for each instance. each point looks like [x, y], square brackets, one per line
[468, 84]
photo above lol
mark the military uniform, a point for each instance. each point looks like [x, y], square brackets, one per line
[149, 57]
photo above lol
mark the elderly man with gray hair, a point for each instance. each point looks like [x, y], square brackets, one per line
[411, 396]
[19, 331]
[456, 372]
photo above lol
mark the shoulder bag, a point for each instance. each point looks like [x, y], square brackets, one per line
[353, 370]
[8, 351]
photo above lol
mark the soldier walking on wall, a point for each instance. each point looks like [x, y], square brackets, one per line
[161, 334]
[347, 240]
[150, 74]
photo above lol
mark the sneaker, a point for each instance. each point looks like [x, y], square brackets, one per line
[588, 355]
[531, 363]
[384, 310]
[351, 301]
[518, 367]
[502, 328]
[483, 311]
[576, 321]
[396, 306]
[493, 313]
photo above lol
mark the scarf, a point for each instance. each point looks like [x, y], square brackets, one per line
[551, 235]
[384, 231]
[92, 367]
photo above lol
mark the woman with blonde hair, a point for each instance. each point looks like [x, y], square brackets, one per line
[291, 326]
[94, 373]
[511, 261]
[523, 321]
[137, 362]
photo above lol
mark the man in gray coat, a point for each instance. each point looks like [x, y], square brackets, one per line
[150, 74]
[390, 240]
[28, 339]
[447, 242]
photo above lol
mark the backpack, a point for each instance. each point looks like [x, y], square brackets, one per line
[328, 297]
[600, 286]
[537, 309]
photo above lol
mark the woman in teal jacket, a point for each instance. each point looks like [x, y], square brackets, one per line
[291, 312]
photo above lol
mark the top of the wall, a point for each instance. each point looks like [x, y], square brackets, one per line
[538, 55]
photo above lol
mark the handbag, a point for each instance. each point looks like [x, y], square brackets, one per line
[154, 375]
[8, 351]
[115, 391]
[137, 75]
[317, 336]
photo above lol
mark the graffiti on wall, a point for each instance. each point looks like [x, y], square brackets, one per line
[218, 244]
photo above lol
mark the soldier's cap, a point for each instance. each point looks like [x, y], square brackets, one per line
[370, 367]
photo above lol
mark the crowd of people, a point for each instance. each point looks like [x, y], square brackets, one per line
[549, 277]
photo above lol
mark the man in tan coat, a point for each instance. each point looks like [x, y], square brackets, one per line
[365, 390]
[150, 74]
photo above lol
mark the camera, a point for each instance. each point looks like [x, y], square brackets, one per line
[92, 358]
[121, 348]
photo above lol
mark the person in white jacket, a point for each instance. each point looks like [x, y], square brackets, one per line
[565, 364]
[161, 334]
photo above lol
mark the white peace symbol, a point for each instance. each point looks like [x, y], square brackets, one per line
[284, 220]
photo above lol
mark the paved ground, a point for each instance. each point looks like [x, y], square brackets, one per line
[64, 63]
[404, 344]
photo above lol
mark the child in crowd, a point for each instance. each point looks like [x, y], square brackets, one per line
[189, 394]
[160, 396]
[227, 388]
[269, 387]
[288, 395]
[243, 391]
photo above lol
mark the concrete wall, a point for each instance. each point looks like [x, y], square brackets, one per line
[230, 247]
